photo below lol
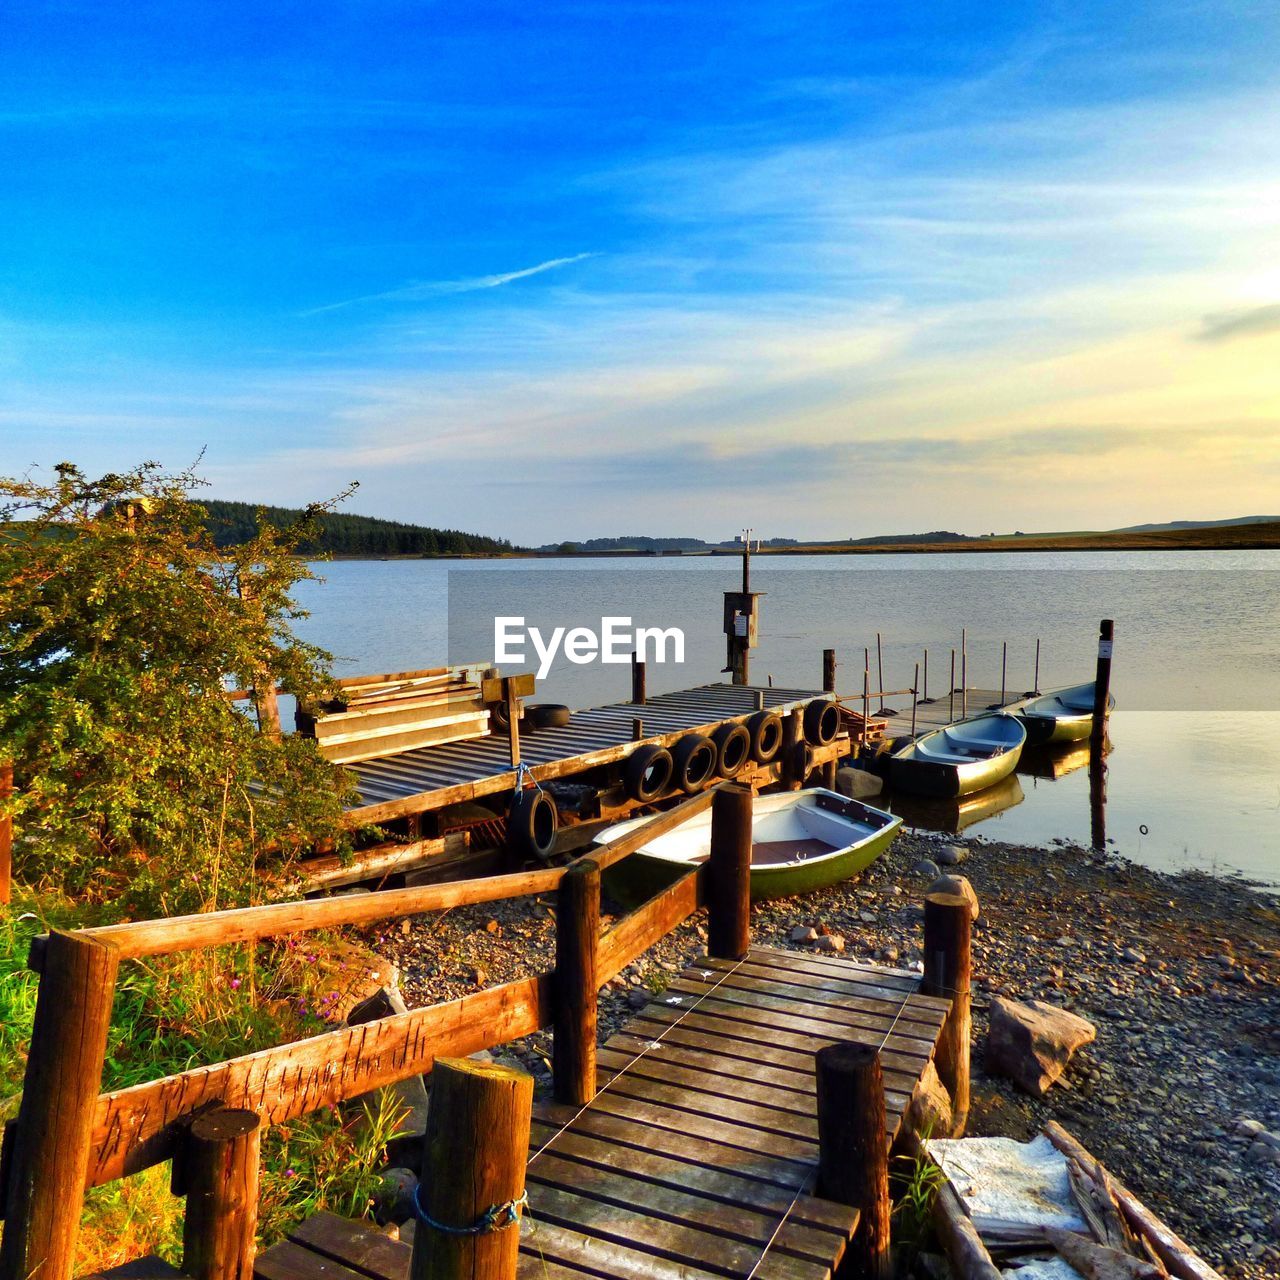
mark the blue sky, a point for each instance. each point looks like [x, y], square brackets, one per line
[563, 270]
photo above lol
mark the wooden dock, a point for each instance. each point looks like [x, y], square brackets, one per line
[697, 1157]
[433, 777]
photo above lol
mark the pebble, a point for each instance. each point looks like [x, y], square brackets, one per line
[831, 942]
[803, 933]
[927, 868]
[951, 855]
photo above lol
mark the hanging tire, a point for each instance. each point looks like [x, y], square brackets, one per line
[499, 717]
[765, 729]
[532, 823]
[693, 761]
[647, 773]
[548, 715]
[733, 749]
[821, 721]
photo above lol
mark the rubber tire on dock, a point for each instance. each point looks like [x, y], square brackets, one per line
[498, 717]
[821, 721]
[733, 749]
[548, 715]
[693, 761]
[647, 773]
[532, 823]
[765, 729]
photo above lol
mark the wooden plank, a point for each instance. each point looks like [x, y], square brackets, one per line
[686, 1246]
[686, 1206]
[635, 933]
[353, 750]
[354, 1244]
[905, 980]
[724, 1183]
[541, 1239]
[380, 860]
[135, 1128]
[289, 1261]
[651, 1067]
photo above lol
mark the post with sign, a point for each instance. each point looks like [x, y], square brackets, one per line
[742, 620]
[1102, 688]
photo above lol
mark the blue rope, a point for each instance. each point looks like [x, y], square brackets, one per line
[497, 1217]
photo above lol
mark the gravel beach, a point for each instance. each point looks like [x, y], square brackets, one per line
[1180, 1093]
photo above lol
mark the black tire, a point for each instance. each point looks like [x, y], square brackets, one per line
[548, 715]
[499, 717]
[733, 749]
[821, 721]
[765, 729]
[693, 761]
[648, 773]
[532, 823]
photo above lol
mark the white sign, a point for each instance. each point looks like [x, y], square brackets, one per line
[613, 643]
[1104, 648]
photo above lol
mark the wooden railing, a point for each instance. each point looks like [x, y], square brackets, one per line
[69, 1136]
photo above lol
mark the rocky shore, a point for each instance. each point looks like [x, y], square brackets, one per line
[1179, 1095]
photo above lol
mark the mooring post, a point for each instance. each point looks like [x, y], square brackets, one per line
[791, 754]
[948, 965]
[476, 1146]
[637, 679]
[573, 1046]
[926, 676]
[915, 699]
[6, 843]
[951, 698]
[964, 671]
[1004, 669]
[50, 1158]
[513, 718]
[866, 701]
[880, 670]
[1035, 684]
[1102, 686]
[218, 1171]
[729, 873]
[637, 728]
[853, 1149]
[828, 671]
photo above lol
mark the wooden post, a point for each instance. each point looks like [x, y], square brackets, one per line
[759, 699]
[513, 719]
[637, 679]
[947, 971]
[866, 700]
[1102, 686]
[792, 752]
[219, 1173]
[477, 1143]
[828, 671]
[964, 672]
[637, 728]
[926, 676]
[729, 873]
[951, 698]
[573, 1049]
[1035, 684]
[915, 701]
[6, 842]
[50, 1158]
[1004, 670]
[853, 1149]
[1097, 802]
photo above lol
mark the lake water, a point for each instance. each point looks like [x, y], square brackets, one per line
[1193, 778]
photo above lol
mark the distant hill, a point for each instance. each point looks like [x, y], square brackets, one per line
[1197, 524]
[232, 523]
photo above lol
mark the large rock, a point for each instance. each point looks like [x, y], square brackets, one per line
[958, 885]
[858, 784]
[1032, 1043]
[929, 1111]
[406, 1098]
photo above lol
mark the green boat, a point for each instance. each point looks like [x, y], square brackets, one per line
[960, 759]
[801, 840]
[1065, 715]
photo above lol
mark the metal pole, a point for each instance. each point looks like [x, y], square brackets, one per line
[1004, 669]
[915, 689]
[880, 670]
[951, 697]
[926, 675]
[964, 672]
[1035, 684]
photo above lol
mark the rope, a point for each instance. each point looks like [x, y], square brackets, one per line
[497, 1217]
[523, 772]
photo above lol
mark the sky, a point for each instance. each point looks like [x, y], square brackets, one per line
[576, 269]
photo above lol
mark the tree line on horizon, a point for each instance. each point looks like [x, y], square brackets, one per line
[234, 523]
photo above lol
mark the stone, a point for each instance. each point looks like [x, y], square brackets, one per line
[393, 1200]
[957, 885]
[1133, 955]
[951, 855]
[384, 1003]
[926, 867]
[803, 933]
[637, 999]
[929, 1110]
[1031, 1043]
[858, 784]
[832, 942]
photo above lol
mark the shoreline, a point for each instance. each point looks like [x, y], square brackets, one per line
[1179, 972]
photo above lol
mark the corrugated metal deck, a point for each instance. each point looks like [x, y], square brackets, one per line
[430, 777]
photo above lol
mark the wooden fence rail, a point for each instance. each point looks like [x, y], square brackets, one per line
[69, 1137]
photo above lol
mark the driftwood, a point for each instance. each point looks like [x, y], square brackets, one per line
[1098, 1262]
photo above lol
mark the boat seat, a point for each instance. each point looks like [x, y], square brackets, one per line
[990, 744]
[944, 757]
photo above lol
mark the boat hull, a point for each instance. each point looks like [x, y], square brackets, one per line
[950, 781]
[1055, 718]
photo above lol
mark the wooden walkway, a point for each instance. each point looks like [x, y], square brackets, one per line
[697, 1157]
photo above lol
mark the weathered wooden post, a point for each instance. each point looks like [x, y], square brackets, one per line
[866, 701]
[219, 1174]
[791, 754]
[470, 1197]
[1035, 684]
[6, 842]
[637, 679]
[510, 697]
[573, 1046]
[1004, 670]
[1102, 686]
[51, 1150]
[729, 873]
[926, 677]
[637, 728]
[947, 972]
[828, 671]
[951, 698]
[853, 1149]
[880, 670]
[915, 699]
[964, 671]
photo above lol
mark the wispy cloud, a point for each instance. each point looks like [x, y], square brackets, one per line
[1241, 324]
[423, 290]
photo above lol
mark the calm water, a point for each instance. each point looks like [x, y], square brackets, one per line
[1194, 774]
